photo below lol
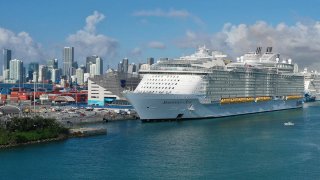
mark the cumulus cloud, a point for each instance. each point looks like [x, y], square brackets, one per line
[92, 20]
[22, 45]
[299, 41]
[156, 45]
[172, 13]
[87, 42]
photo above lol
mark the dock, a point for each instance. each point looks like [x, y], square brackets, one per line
[82, 132]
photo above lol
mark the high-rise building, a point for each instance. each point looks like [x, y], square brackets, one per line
[150, 61]
[125, 64]
[90, 60]
[52, 64]
[35, 76]
[32, 67]
[86, 77]
[132, 68]
[16, 70]
[73, 79]
[98, 61]
[79, 74]
[99, 66]
[120, 67]
[68, 58]
[54, 75]
[93, 71]
[74, 67]
[6, 59]
[83, 68]
[43, 73]
[6, 74]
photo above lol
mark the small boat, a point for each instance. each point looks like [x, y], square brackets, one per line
[288, 123]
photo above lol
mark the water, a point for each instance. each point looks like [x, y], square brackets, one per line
[245, 147]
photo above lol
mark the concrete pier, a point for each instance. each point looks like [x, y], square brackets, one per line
[82, 132]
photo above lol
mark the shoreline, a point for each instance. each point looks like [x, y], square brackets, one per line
[33, 142]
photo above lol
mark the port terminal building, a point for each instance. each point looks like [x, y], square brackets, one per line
[107, 89]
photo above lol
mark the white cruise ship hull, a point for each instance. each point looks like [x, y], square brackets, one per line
[153, 107]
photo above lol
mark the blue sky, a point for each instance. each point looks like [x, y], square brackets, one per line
[166, 28]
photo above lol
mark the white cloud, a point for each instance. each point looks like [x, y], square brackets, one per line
[299, 41]
[135, 52]
[172, 13]
[87, 42]
[22, 45]
[162, 13]
[92, 20]
[156, 45]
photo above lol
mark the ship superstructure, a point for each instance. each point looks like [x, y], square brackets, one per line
[202, 85]
[312, 84]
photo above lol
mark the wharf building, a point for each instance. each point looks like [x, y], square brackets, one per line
[107, 89]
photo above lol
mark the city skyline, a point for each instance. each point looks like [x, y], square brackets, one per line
[141, 29]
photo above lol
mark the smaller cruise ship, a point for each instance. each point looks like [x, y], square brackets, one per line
[311, 85]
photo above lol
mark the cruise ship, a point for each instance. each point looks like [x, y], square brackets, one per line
[311, 85]
[207, 85]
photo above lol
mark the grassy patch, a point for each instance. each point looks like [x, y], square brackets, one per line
[22, 130]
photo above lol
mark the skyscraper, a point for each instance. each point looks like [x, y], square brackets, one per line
[16, 70]
[132, 68]
[68, 58]
[52, 64]
[79, 74]
[99, 66]
[150, 61]
[54, 75]
[120, 67]
[32, 67]
[90, 60]
[43, 73]
[125, 65]
[6, 59]
[93, 70]
[83, 67]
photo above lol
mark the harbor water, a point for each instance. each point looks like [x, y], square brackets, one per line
[257, 146]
